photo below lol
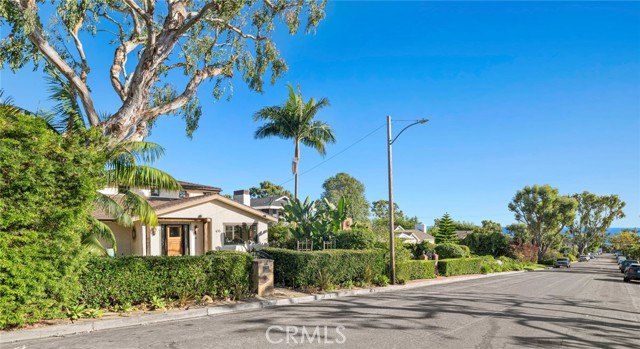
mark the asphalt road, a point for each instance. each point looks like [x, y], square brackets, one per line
[587, 306]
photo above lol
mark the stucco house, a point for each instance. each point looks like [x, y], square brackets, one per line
[191, 222]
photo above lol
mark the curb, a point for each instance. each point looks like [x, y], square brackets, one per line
[97, 325]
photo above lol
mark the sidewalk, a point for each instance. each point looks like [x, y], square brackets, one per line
[179, 314]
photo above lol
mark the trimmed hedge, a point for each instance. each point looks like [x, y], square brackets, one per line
[325, 269]
[460, 266]
[447, 251]
[415, 270]
[134, 280]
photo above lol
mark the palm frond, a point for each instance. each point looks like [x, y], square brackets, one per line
[92, 246]
[67, 110]
[102, 231]
[142, 177]
[113, 209]
[138, 206]
[147, 152]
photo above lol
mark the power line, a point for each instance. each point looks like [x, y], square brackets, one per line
[338, 153]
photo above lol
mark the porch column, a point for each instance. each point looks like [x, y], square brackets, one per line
[143, 239]
[192, 239]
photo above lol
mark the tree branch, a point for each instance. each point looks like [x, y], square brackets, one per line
[188, 92]
[37, 38]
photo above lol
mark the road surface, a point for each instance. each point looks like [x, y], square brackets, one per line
[587, 306]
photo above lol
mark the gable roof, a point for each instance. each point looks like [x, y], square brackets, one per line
[463, 233]
[196, 186]
[278, 201]
[165, 206]
[419, 234]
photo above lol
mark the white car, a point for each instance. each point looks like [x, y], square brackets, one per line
[583, 258]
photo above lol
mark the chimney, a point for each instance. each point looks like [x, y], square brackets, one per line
[422, 227]
[242, 196]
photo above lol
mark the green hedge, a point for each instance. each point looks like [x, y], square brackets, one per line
[460, 266]
[415, 270]
[325, 269]
[133, 280]
[447, 251]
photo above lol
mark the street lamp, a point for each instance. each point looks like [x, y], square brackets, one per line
[390, 141]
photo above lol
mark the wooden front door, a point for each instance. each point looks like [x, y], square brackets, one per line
[174, 240]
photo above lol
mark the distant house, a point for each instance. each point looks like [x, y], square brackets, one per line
[190, 222]
[414, 236]
[463, 233]
[271, 205]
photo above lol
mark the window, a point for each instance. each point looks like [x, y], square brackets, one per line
[122, 189]
[155, 192]
[183, 194]
[206, 193]
[240, 233]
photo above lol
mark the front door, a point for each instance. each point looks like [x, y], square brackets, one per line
[174, 240]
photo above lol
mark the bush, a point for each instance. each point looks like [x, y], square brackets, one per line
[134, 280]
[423, 247]
[460, 266]
[47, 185]
[326, 268]
[415, 270]
[446, 251]
[526, 253]
[279, 235]
[487, 243]
[355, 239]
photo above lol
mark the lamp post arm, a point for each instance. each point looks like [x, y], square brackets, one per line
[421, 121]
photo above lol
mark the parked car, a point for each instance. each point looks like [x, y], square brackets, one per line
[632, 273]
[626, 263]
[620, 259]
[562, 262]
[583, 258]
[593, 255]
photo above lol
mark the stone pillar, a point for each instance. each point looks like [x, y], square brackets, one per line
[262, 277]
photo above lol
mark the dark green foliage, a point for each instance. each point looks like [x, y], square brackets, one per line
[380, 210]
[421, 248]
[343, 185]
[484, 243]
[133, 280]
[446, 230]
[268, 189]
[355, 239]
[445, 251]
[279, 235]
[415, 270]
[47, 184]
[326, 268]
[460, 266]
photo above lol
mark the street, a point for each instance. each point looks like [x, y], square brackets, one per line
[587, 306]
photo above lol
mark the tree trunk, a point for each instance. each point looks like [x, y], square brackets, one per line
[296, 159]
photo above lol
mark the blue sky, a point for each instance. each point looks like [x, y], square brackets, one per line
[518, 94]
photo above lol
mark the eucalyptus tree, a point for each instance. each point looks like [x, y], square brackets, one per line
[343, 185]
[295, 120]
[127, 165]
[545, 212]
[594, 216]
[155, 46]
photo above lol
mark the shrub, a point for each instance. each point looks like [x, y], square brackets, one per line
[313, 268]
[527, 253]
[47, 185]
[487, 243]
[279, 235]
[423, 247]
[460, 266]
[415, 270]
[134, 280]
[355, 239]
[446, 251]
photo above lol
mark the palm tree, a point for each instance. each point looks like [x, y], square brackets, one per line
[295, 120]
[127, 166]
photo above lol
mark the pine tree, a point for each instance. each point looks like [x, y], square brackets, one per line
[446, 230]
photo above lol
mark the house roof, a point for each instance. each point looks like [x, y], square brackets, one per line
[196, 186]
[278, 201]
[463, 233]
[164, 206]
[419, 234]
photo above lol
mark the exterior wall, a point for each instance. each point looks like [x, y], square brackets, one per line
[125, 243]
[221, 214]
